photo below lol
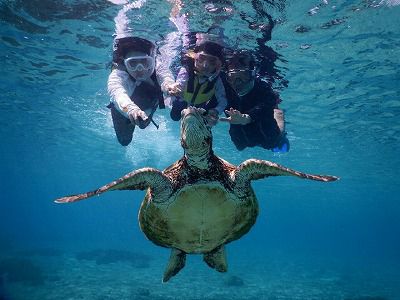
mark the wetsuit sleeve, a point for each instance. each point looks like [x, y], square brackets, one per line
[220, 95]
[120, 86]
[257, 112]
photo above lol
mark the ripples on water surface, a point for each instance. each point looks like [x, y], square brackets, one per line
[336, 67]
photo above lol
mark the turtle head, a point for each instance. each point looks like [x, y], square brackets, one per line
[196, 137]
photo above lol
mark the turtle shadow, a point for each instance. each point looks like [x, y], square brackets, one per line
[233, 281]
[109, 256]
[21, 270]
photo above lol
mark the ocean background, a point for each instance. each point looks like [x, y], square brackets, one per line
[338, 64]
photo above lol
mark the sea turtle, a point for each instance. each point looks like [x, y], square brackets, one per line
[199, 203]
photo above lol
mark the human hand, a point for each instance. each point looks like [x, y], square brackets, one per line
[212, 117]
[236, 117]
[174, 89]
[139, 118]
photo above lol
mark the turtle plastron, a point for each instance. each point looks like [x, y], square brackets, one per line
[201, 202]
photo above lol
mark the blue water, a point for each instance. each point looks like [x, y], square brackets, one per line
[340, 85]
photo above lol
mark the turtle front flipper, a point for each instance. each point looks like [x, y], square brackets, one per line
[176, 262]
[216, 259]
[252, 169]
[137, 180]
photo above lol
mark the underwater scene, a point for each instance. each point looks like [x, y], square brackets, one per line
[335, 66]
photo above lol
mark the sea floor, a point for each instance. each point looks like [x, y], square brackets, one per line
[106, 274]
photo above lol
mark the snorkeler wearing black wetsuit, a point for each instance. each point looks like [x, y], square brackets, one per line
[253, 110]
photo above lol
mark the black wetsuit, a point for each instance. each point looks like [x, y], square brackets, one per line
[259, 104]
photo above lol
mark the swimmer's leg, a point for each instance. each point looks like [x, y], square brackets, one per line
[122, 126]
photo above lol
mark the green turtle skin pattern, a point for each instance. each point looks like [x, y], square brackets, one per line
[199, 203]
[203, 210]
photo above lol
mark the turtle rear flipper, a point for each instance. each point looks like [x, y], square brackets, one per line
[175, 264]
[216, 259]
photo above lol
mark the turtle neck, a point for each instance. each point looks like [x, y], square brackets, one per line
[199, 161]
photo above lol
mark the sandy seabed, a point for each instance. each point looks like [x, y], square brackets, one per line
[115, 274]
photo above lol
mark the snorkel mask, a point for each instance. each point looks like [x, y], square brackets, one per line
[241, 80]
[241, 71]
[208, 59]
[140, 63]
[136, 54]
[139, 66]
[208, 65]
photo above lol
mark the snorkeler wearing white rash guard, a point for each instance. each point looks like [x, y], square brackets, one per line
[133, 87]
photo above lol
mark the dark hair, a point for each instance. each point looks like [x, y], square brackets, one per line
[211, 49]
[241, 58]
[124, 45]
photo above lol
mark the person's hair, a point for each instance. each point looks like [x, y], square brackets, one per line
[211, 49]
[240, 59]
[125, 45]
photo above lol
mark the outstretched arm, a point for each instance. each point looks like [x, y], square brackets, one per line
[252, 169]
[137, 180]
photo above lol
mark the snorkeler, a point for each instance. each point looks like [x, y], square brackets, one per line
[253, 114]
[198, 82]
[133, 87]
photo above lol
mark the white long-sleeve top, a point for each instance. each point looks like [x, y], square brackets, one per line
[120, 87]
